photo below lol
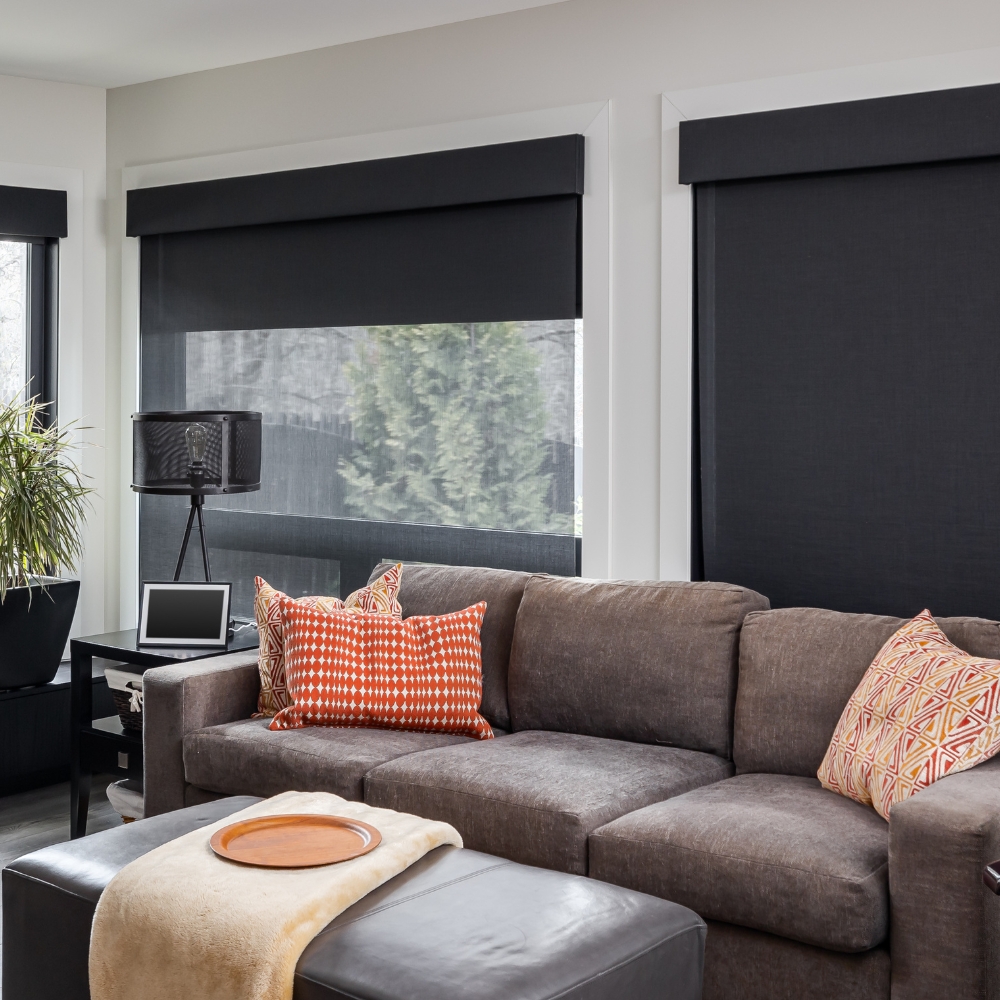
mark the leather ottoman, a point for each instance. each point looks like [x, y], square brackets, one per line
[455, 925]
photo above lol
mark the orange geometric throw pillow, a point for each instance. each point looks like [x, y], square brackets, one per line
[924, 709]
[378, 598]
[424, 674]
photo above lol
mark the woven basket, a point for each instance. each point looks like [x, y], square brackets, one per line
[123, 687]
[132, 721]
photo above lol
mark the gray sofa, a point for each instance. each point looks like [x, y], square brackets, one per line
[660, 736]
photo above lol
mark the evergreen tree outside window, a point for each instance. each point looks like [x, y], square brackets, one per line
[472, 424]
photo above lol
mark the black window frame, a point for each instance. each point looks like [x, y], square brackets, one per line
[42, 326]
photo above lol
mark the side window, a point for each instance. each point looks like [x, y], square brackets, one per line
[28, 308]
[14, 257]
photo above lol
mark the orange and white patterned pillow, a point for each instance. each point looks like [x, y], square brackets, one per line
[378, 598]
[424, 674]
[924, 709]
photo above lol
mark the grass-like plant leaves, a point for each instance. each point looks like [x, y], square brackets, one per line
[43, 502]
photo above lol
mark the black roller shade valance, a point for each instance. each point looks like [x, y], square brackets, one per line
[942, 125]
[487, 234]
[534, 168]
[37, 212]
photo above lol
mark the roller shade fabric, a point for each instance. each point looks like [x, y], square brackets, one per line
[849, 351]
[847, 365]
[474, 263]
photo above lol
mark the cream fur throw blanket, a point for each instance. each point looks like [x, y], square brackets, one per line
[181, 923]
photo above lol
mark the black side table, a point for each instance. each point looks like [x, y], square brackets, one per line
[101, 746]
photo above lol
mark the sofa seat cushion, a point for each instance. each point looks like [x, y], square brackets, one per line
[534, 797]
[771, 852]
[245, 758]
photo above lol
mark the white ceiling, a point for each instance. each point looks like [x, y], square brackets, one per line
[110, 43]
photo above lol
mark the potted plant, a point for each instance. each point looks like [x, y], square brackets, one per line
[43, 504]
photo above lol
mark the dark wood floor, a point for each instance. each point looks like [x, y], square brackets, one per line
[33, 820]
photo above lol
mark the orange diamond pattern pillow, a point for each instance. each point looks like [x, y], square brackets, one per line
[924, 709]
[424, 674]
[378, 598]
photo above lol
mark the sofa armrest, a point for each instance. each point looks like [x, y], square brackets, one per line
[945, 924]
[181, 698]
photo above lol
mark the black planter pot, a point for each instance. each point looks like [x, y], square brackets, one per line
[32, 638]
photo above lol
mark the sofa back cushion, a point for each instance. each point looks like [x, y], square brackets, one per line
[647, 662]
[440, 590]
[798, 669]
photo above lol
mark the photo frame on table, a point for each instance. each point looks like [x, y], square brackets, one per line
[184, 614]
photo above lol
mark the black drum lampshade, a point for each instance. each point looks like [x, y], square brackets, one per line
[196, 453]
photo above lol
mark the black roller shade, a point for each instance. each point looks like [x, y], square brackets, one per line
[849, 388]
[913, 128]
[476, 263]
[37, 212]
[534, 168]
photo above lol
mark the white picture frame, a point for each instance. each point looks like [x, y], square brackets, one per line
[209, 629]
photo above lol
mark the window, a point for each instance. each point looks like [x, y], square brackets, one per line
[417, 365]
[28, 304]
[472, 424]
[468, 424]
[32, 220]
[13, 319]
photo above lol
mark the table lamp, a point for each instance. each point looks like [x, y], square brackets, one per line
[196, 453]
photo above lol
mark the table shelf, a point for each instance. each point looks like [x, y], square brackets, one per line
[102, 745]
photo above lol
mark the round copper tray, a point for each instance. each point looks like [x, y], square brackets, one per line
[302, 840]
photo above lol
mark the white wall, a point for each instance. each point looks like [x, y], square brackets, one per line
[626, 51]
[53, 135]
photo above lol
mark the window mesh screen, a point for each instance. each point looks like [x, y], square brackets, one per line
[475, 425]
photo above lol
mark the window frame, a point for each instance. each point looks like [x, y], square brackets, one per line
[591, 119]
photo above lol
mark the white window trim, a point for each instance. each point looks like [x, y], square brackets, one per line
[592, 120]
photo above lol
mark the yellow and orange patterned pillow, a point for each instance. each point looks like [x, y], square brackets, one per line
[924, 709]
[378, 598]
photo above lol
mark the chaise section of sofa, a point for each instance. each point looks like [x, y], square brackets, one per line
[201, 742]
[807, 892]
[620, 695]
